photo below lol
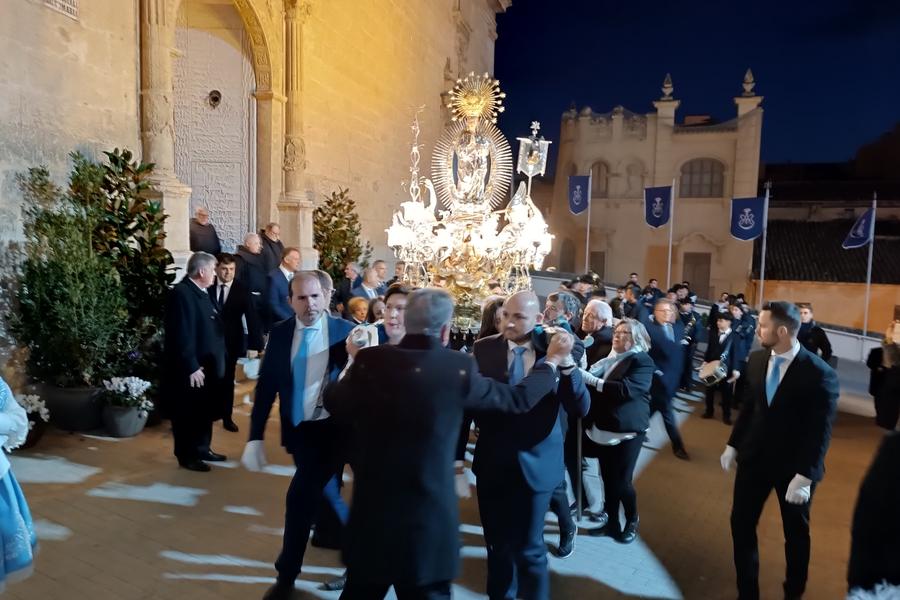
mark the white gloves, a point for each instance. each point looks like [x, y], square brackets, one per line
[254, 456]
[799, 490]
[461, 481]
[567, 362]
[591, 380]
[728, 458]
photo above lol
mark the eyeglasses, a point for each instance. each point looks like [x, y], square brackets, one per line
[620, 332]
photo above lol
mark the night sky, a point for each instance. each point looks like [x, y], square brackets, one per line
[829, 71]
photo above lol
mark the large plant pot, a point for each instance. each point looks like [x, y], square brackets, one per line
[35, 433]
[123, 421]
[73, 409]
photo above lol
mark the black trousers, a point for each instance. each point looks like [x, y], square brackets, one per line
[559, 505]
[512, 515]
[725, 390]
[463, 440]
[752, 486]
[661, 402]
[574, 468]
[617, 470]
[356, 590]
[192, 420]
[687, 375]
[317, 462]
[226, 389]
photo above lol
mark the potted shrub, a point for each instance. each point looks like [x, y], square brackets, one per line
[125, 405]
[38, 415]
[71, 311]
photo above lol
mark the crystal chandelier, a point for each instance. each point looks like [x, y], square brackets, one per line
[460, 239]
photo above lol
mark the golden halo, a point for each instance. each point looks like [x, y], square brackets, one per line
[476, 97]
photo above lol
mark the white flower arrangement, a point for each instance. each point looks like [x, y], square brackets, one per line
[33, 404]
[128, 392]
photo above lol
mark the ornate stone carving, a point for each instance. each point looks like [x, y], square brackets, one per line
[463, 33]
[667, 88]
[749, 83]
[294, 153]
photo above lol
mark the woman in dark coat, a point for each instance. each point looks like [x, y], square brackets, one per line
[887, 394]
[617, 423]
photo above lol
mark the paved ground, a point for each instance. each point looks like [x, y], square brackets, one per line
[118, 520]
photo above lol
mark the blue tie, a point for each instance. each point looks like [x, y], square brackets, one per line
[517, 369]
[669, 335]
[299, 373]
[772, 381]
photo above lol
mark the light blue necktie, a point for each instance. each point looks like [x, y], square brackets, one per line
[669, 335]
[299, 373]
[772, 381]
[517, 369]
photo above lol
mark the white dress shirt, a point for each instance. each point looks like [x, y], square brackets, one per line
[288, 274]
[528, 357]
[790, 355]
[370, 292]
[316, 364]
[723, 335]
[219, 286]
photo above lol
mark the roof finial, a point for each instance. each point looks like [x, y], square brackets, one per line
[749, 82]
[667, 87]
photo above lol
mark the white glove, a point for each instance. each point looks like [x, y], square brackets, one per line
[568, 362]
[254, 456]
[461, 481]
[728, 458]
[591, 380]
[799, 490]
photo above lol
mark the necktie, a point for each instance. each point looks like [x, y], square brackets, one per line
[772, 381]
[299, 373]
[517, 369]
[668, 329]
[222, 296]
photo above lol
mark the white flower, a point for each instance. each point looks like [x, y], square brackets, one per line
[32, 403]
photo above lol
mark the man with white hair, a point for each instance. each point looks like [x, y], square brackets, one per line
[203, 236]
[251, 272]
[404, 519]
[596, 324]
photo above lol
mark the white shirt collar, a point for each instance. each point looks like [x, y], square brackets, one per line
[316, 324]
[790, 354]
[227, 285]
[512, 345]
[287, 273]
[726, 332]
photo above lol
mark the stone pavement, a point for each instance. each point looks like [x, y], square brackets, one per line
[119, 520]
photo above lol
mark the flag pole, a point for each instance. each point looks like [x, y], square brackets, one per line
[671, 229]
[865, 332]
[762, 260]
[587, 235]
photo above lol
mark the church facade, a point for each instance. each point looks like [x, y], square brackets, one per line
[709, 164]
[254, 109]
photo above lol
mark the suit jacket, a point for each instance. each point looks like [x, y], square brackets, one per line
[271, 252]
[532, 443]
[624, 404]
[815, 339]
[278, 290]
[792, 435]
[194, 334]
[359, 292]
[601, 346]
[669, 357]
[237, 307]
[420, 390]
[275, 376]
[731, 347]
[251, 271]
[635, 311]
[203, 238]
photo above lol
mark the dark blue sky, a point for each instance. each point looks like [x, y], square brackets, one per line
[829, 70]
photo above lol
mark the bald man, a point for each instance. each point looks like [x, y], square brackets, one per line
[519, 458]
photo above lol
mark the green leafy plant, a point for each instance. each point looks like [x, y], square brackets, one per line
[336, 231]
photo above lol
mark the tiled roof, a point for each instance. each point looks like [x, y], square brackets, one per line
[811, 251]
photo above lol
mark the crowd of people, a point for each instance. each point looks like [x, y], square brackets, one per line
[351, 362]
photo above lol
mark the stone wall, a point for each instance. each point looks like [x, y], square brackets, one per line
[366, 67]
[64, 85]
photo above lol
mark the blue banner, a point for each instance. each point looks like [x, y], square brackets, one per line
[657, 205]
[579, 193]
[747, 218]
[861, 233]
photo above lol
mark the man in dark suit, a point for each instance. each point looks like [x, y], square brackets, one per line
[232, 300]
[303, 354]
[272, 250]
[633, 307]
[596, 324]
[251, 272]
[194, 362]
[279, 281]
[779, 441]
[203, 236]
[811, 336]
[724, 347]
[370, 286]
[344, 290]
[666, 334]
[381, 272]
[519, 458]
[404, 526]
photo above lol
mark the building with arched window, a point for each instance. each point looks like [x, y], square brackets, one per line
[709, 162]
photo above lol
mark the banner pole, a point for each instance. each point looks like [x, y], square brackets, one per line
[587, 235]
[671, 229]
[865, 332]
[762, 261]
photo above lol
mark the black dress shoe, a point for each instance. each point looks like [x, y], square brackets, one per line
[605, 531]
[629, 534]
[195, 465]
[335, 585]
[230, 425]
[213, 457]
[601, 517]
[707, 415]
[566, 543]
[681, 453]
[279, 591]
[329, 543]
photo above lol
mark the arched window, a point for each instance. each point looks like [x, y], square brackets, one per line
[599, 180]
[702, 178]
[634, 179]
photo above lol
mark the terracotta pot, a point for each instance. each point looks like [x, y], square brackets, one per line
[73, 409]
[123, 421]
